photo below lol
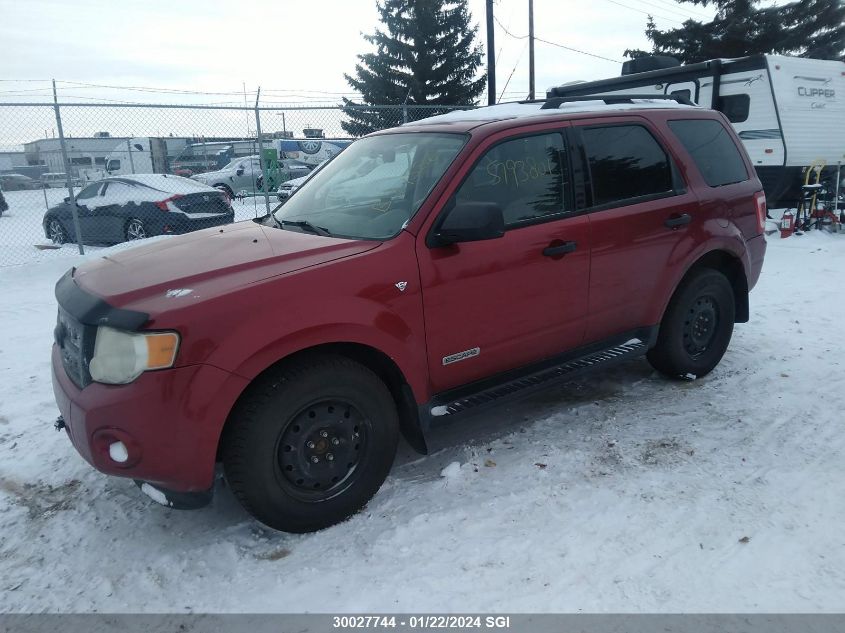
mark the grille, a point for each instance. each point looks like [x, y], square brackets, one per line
[76, 343]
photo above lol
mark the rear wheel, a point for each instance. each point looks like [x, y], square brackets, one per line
[56, 232]
[135, 230]
[697, 326]
[309, 445]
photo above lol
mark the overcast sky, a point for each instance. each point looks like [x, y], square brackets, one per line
[296, 50]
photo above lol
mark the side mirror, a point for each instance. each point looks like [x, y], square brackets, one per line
[470, 222]
[67, 199]
[240, 171]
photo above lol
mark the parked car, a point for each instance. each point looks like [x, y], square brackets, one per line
[529, 243]
[123, 208]
[4, 206]
[244, 174]
[286, 189]
[18, 182]
[58, 179]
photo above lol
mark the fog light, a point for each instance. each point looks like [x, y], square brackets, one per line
[118, 452]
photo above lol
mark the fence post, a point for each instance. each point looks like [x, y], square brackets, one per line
[261, 160]
[68, 176]
[131, 160]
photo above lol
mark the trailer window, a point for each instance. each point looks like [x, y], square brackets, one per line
[712, 149]
[735, 107]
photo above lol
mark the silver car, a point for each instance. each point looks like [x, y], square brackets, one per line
[243, 175]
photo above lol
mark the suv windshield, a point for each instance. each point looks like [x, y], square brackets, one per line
[374, 187]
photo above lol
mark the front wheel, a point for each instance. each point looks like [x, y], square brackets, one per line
[56, 232]
[135, 230]
[696, 327]
[309, 445]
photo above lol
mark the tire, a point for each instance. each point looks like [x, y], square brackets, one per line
[697, 326]
[56, 232]
[327, 408]
[135, 230]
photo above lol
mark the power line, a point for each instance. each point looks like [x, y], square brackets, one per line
[153, 89]
[657, 6]
[648, 13]
[691, 11]
[540, 39]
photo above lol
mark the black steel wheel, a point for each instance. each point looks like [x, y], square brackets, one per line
[310, 443]
[697, 326]
[320, 449]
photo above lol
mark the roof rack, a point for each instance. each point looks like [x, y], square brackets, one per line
[554, 103]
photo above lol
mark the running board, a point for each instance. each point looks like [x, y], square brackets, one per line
[482, 394]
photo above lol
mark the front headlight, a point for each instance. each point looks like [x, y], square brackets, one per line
[120, 357]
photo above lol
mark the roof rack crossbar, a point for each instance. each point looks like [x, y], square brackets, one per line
[554, 103]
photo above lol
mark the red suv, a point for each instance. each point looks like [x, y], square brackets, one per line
[429, 271]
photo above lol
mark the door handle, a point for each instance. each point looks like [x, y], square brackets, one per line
[677, 221]
[561, 249]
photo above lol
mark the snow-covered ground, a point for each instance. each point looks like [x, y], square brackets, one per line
[622, 492]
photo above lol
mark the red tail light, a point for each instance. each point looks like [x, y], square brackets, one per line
[760, 203]
[163, 203]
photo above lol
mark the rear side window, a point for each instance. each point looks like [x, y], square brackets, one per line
[626, 162]
[735, 107]
[528, 177]
[712, 149]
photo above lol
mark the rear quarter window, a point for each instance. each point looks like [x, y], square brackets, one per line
[712, 149]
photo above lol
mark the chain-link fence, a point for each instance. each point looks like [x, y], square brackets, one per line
[81, 176]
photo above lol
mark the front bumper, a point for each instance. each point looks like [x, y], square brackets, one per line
[169, 422]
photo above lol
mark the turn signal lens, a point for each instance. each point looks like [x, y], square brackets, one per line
[161, 349]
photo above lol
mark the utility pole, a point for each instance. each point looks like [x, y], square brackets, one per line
[491, 57]
[530, 49]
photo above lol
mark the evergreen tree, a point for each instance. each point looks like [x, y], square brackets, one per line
[426, 55]
[804, 28]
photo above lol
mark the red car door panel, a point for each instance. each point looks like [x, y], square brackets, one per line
[498, 304]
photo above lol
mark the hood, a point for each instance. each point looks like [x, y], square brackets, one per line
[209, 262]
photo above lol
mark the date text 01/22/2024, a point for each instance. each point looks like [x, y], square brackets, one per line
[422, 622]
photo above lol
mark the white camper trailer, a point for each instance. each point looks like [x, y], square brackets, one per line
[139, 155]
[788, 111]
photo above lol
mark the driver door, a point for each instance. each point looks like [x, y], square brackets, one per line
[86, 202]
[495, 305]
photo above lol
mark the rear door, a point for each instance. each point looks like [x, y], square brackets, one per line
[641, 214]
[495, 305]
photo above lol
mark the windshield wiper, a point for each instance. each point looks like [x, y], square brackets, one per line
[305, 224]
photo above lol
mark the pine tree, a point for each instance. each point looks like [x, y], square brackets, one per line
[804, 28]
[426, 55]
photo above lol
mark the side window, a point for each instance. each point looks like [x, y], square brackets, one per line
[712, 149]
[735, 107]
[89, 192]
[626, 162]
[528, 177]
